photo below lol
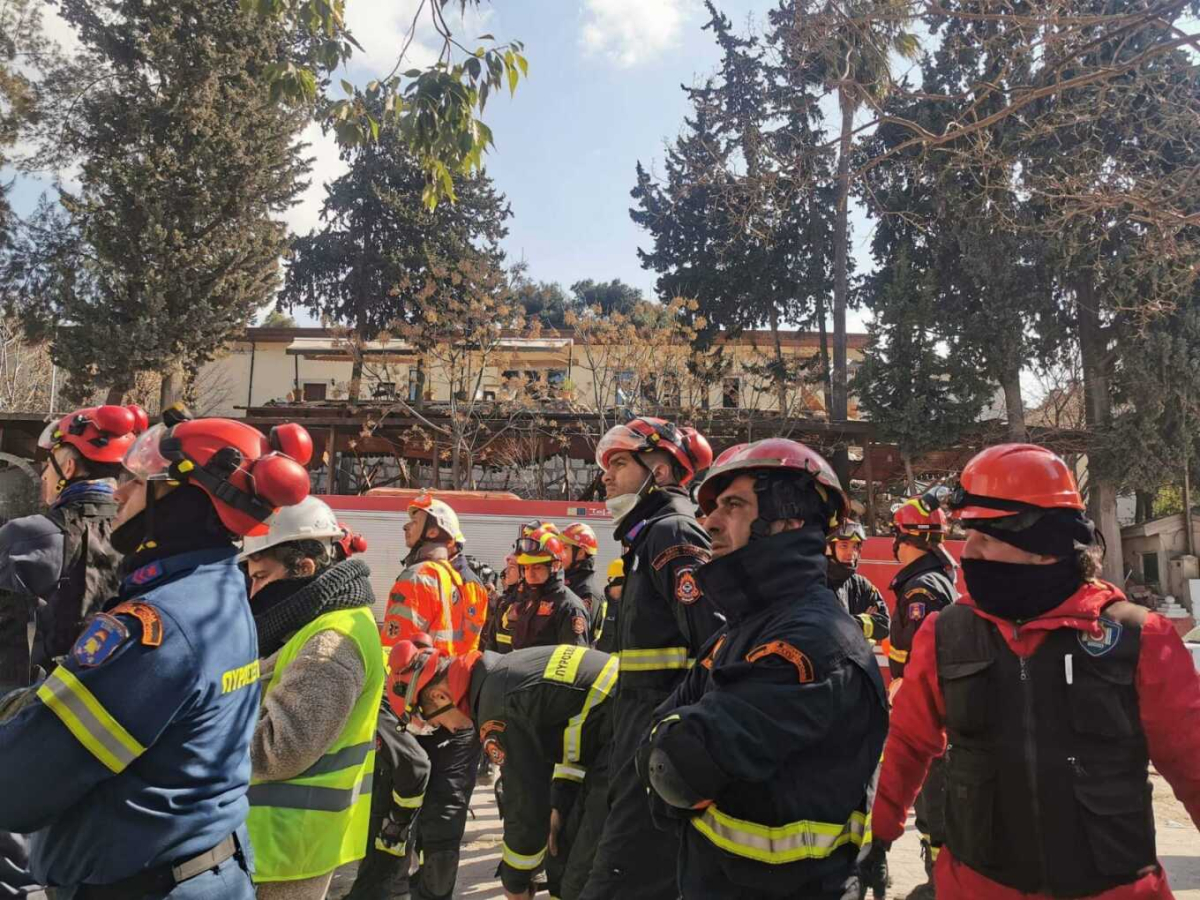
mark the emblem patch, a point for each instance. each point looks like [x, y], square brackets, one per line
[152, 629]
[680, 550]
[146, 573]
[578, 624]
[99, 641]
[545, 608]
[392, 628]
[1105, 636]
[916, 612]
[687, 591]
[803, 664]
[489, 734]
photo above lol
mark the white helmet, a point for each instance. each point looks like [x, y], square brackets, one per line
[309, 520]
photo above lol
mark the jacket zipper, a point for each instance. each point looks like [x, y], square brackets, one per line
[1031, 765]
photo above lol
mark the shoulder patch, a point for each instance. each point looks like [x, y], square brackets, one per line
[687, 590]
[152, 627]
[804, 666]
[99, 641]
[578, 624]
[689, 550]
[1103, 637]
[916, 612]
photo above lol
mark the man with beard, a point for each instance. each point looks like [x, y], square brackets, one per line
[860, 598]
[132, 760]
[767, 748]
[1049, 694]
[322, 663]
[580, 565]
[665, 620]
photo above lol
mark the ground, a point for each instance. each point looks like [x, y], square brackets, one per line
[1178, 848]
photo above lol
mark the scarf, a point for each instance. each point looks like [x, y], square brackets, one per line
[284, 607]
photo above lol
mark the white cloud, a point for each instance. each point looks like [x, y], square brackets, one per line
[327, 166]
[382, 27]
[629, 32]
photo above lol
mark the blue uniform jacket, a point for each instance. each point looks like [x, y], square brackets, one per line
[135, 752]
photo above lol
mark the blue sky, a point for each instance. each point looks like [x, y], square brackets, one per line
[603, 92]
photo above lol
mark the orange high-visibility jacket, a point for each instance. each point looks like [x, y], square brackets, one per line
[433, 597]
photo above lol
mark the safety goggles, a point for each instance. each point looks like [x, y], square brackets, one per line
[960, 499]
[528, 546]
[144, 460]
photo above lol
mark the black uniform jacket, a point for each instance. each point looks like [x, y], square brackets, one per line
[924, 586]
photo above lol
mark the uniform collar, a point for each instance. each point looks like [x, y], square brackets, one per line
[659, 502]
[928, 562]
[784, 566]
[160, 571]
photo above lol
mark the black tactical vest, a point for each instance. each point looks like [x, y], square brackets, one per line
[1047, 787]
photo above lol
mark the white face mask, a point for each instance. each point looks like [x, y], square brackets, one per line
[622, 506]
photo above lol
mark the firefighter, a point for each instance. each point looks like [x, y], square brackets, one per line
[665, 620]
[497, 635]
[1054, 694]
[548, 612]
[438, 594]
[132, 760]
[323, 664]
[57, 569]
[860, 598]
[544, 714]
[580, 566]
[778, 730]
[610, 609]
[924, 585]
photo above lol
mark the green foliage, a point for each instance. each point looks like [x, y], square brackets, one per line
[435, 111]
[173, 241]
[22, 46]
[277, 319]
[378, 233]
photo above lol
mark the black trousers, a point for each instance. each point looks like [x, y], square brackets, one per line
[634, 859]
[568, 872]
[453, 768]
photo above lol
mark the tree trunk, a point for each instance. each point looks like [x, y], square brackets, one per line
[1102, 495]
[1014, 405]
[909, 477]
[171, 388]
[780, 368]
[115, 395]
[355, 378]
[841, 456]
[1144, 509]
[826, 372]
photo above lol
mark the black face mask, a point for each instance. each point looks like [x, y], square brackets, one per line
[1019, 591]
[838, 573]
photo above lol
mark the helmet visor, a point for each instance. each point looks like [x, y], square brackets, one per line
[47, 440]
[144, 460]
[619, 437]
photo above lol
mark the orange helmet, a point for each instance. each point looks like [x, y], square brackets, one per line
[579, 534]
[1013, 478]
[774, 454]
[102, 434]
[246, 476]
[540, 546]
[688, 447]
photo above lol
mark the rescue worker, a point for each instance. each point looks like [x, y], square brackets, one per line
[1054, 694]
[665, 620]
[132, 760]
[580, 566]
[438, 594]
[57, 568]
[778, 730]
[544, 714]
[924, 585]
[322, 664]
[497, 635]
[860, 598]
[610, 610]
[548, 613]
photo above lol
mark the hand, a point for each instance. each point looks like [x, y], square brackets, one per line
[556, 823]
[873, 870]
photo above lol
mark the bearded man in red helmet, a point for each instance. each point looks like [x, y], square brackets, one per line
[665, 620]
[767, 748]
[1049, 695]
[130, 763]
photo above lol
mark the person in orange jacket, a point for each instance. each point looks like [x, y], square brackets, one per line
[1049, 695]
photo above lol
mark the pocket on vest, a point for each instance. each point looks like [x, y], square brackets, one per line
[1098, 702]
[971, 805]
[965, 692]
[1118, 819]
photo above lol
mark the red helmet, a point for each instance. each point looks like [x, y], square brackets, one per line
[411, 668]
[1012, 478]
[688, 447]
[540, 546]
[246, 476]
[774, 453]
[102, 434]
[579, 534]
[917, 517]
[350, 542]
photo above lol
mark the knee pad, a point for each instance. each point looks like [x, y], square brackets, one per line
[438, 873]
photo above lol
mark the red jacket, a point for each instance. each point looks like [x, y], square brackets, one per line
[1168, 690]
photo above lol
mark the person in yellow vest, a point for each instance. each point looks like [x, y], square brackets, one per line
[313, 750]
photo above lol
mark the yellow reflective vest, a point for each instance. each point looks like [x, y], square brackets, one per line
[313, 823]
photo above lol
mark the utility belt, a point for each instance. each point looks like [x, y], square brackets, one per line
[163, 879]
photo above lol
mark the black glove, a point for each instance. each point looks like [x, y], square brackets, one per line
[873, 869]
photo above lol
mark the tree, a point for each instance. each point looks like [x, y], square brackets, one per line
[22, 48]
[434, 113]
[543, 301]
[609, 297]
[173, 241]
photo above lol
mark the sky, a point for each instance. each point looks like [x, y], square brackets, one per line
[603, 93]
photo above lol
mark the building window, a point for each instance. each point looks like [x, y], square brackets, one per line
[314, 391]
[415, 380]
[385, 390]
[731, 393]
[625, 385]
[1150, 568]
[556, 377]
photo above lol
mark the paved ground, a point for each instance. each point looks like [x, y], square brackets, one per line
[1178, 847]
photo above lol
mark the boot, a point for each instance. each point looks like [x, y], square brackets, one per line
[926, 891]
[381, 876]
